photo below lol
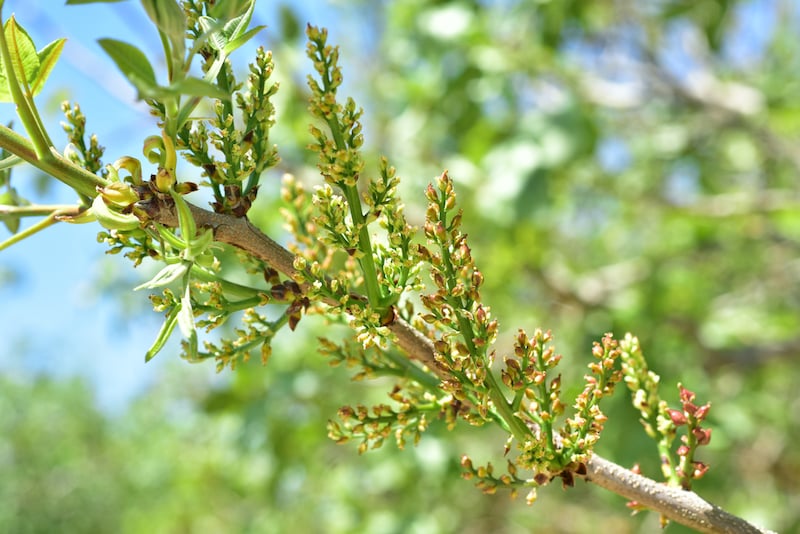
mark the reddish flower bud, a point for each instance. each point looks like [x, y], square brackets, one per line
[702, 411]
[678, 417]
[702, 435]
[689, 408]
[686, 395]
[700, 469]
[683, 450]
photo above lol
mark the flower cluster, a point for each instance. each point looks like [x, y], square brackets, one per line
[465, 327]
[661, 422]
[691, 416]
[245, 149]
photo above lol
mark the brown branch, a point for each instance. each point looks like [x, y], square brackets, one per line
[684, 507]
[681, 506]
[240, 232]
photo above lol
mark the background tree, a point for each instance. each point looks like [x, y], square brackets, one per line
[621, 168]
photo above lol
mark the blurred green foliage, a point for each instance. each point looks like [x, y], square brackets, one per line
[624, 166]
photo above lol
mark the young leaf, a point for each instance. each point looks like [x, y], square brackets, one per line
[23, 56]
[242, 39]
[186, 315]
[168, 17]
[133, 64]
[185, 219]
[236, 26]
[164, 333]
[197, 87]
[48, 56]
[165, 276]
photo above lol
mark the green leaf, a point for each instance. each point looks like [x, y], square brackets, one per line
[133, 64]
[23, 56]
[185, 219]
[165, 276]
[170, 20]
[237, 26]
[164, 333]
[197, 87]
[168, 17]
[232, 34]
[10, 198]
[48, 56]
[242, 39]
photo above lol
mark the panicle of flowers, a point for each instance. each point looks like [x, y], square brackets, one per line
[465, 327]
[387, 270]
[536, 400]
[137, 244]
[339, 159]
[691, 416]
[89, 156]
[397, 260]
[661, 422]
[583, 430]
[245, 150]
[255, 334]
[488, 482]
[405, 421]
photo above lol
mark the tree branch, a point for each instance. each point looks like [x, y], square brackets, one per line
[681, 506]
[684, 507]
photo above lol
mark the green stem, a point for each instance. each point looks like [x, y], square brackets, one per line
[25, 107]
[79, 179]
[510, 421]
[38, 227]
[366, 260]
[37, 210]
[228, 287]
[410, 370]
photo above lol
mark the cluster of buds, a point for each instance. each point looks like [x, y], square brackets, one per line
[246, 151]
[489, 483]
[691, 416]
[585, 427]
[661, 422]
[468, 330]
[558, 452]
[373, 426]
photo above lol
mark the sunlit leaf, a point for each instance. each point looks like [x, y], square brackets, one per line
[242, 39]
[164, 333]
[165, 276]
[197, 87]
[132, 62]
[23, 56]
[48, 56]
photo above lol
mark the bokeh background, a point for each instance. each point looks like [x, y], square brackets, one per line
[623, 166]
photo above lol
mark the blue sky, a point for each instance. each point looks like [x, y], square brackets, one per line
[53, 318]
